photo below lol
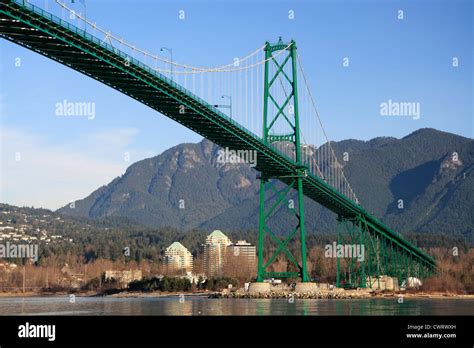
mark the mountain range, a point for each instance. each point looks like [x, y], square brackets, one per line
[422, 183]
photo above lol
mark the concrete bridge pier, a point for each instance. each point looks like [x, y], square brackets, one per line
[260, 288]
[306, 287]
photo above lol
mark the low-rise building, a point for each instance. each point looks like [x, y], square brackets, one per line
[123, 277]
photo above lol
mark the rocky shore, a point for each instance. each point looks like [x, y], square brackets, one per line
[334, 294]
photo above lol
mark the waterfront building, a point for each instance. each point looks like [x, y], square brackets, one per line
[178, 259]
[215, 250]
[245, 251]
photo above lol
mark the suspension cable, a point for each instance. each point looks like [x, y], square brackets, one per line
[321, 124]
[194, 70]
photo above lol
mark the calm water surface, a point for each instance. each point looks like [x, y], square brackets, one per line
[60, 305]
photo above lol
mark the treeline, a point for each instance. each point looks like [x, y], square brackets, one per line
[120, 245]
[174, 284]
[120, 239]
[163, 284]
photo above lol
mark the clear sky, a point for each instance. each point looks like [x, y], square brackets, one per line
[409, 59]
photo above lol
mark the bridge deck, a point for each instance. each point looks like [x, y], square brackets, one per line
[48, 35]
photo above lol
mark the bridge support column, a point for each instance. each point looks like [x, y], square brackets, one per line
[284, 115]
[275, 243]
[261, 232]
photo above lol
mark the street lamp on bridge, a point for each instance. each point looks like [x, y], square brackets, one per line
[227, 106]
[170, 50]
[83, 2]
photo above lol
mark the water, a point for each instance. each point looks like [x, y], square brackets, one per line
[60, 305]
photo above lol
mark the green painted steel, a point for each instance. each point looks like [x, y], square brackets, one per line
[296, 177]
[382, 256]
[21, 23]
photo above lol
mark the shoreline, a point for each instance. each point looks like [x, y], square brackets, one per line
[239, 295]
[124, 294]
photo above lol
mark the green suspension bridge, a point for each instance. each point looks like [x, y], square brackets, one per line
[291, 144]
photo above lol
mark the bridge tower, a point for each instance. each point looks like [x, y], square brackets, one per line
[283, 111]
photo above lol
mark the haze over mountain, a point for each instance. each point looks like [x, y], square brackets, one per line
[186, 187]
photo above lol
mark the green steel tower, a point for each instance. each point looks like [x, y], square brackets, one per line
[288, 59]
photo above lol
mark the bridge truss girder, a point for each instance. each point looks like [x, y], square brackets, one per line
[382, 256]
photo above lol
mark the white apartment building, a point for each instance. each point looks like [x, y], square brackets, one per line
[178, 259]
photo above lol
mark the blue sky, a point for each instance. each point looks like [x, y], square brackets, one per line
[405, 60]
